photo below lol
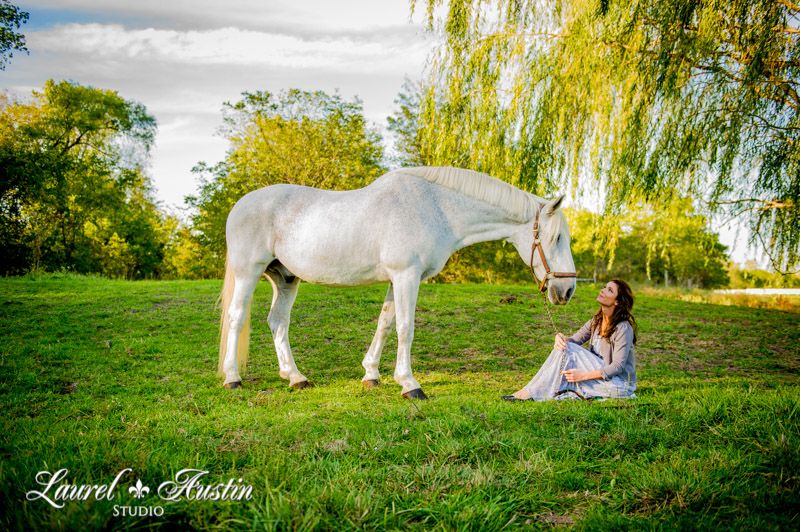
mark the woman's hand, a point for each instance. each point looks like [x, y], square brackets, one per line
[561, 342]
[573, 375]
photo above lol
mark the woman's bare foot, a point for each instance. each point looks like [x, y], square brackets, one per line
[522, 394]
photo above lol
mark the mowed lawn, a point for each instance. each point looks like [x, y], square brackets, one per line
[100, 376]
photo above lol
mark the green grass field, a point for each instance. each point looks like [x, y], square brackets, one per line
[97, 376]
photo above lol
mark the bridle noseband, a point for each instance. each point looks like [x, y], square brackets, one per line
[538, 244]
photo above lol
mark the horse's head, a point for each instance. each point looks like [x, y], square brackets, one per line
[557, 269]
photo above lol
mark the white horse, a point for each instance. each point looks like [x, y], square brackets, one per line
[401, 228]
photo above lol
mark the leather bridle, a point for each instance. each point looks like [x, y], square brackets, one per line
[538, 244]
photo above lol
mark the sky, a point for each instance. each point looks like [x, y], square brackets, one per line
[183, 59]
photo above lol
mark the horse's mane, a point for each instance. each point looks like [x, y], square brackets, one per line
[517, 203]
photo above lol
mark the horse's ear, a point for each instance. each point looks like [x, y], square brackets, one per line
[554, 205]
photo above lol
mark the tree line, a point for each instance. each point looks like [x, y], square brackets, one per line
[74, 193]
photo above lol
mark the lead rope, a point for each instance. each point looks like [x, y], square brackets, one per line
[563, 352]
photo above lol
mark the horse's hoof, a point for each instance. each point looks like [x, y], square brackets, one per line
[371, 383]
[300, 385]
[415, 394]
[233, 385]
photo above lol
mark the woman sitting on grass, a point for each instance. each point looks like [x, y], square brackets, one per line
[606, 370]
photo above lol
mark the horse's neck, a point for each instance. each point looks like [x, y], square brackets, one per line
[482, 224]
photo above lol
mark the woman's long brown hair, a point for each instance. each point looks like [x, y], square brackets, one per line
[622, 312]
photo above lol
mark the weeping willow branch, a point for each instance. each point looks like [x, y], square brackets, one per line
[789, 5]
[764, 205]
[635, 95]
[776, 263]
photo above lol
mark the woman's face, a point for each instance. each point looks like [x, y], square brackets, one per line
[608, 295]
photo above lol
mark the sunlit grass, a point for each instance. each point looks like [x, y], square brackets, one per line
[789, 303]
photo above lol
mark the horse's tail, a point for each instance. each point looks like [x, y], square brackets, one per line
[225, 298]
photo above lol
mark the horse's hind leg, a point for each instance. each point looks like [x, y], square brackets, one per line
[372, 377]
[245, 281]
[283, 296]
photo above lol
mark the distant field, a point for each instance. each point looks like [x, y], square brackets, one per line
[763, 291]
[98, 376]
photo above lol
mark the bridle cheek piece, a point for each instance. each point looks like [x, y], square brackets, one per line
[537, 244]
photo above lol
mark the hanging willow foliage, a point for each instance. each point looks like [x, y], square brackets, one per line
[643, 99]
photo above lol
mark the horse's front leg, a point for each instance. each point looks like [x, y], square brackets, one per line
[406, 290]
[283, 296]
[372, 359]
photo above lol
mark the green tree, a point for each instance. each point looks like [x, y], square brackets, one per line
[11, 19]
[648, 241]
[183, 256]
[750, 276]
[404, 126]
[646, 98]
[305, 138]
[594, 241]
[72, 186]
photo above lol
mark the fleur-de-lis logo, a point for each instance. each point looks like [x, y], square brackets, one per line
[139, 491]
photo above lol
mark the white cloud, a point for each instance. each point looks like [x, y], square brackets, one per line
[229, 46]
[295, 16]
